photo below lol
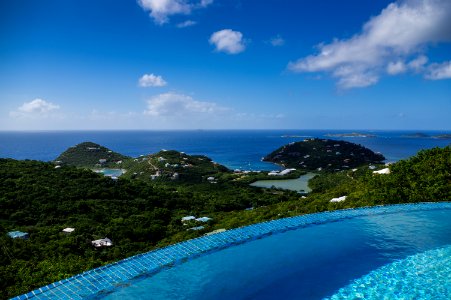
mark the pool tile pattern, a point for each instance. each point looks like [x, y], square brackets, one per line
[93, 283]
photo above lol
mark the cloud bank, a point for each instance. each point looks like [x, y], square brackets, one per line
[228, 41]
[392, 42]
[151, 80]
[161, 10]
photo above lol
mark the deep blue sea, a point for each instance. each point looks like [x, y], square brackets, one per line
[233, 148]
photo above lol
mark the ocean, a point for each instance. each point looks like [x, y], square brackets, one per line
[236, 149]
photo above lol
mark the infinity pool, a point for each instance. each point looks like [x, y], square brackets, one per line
[310, 263]
[399, 251]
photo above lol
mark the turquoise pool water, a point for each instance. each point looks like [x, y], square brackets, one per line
[311, 263]
[368, 253]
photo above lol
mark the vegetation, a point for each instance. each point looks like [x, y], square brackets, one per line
[139, 214]
[90, 155]
[323, 155]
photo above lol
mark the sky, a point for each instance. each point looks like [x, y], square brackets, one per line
[225, 64]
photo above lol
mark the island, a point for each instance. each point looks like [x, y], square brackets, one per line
[446, 136]
[323, 155]
[416, 135]
[352, 134]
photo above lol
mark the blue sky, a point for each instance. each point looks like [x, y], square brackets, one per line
[225, 64]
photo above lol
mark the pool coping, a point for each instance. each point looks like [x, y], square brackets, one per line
[102, 280]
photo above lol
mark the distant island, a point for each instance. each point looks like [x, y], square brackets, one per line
[442, 136]
[352, 134]
[416, 135]
[423, 135]
[323, 154]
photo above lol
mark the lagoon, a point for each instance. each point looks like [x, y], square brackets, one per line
[298, 185]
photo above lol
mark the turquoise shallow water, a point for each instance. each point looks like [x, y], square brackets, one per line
[316, 262]
[299, 184]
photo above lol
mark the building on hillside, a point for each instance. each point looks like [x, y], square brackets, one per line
[18, 235]
[68, 230]
[106, 242]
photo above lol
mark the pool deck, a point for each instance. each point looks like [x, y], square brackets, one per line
[94, 283]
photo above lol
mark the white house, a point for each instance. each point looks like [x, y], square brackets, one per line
[68, 230]
[338, 199]
[203, 219]
[383, 171]
[106, 242]
[188, 218]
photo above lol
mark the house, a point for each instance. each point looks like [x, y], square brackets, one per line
[211, 178]
[203, 219]
[175, 176]
[18, 235]
[106, 242]
[188, 218]
[68, 230]
[383, 171]
[338, 199]
[102, 160]
[286, 171]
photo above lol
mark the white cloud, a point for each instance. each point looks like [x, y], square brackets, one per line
[160, 10]
[394, 68]
[277, 41]
[37, 107]
[179, 105]
[151, 80]
[205, 3]
[187, 23]
[228, 41]
[439, 71]
[418, 63]
[401, 30]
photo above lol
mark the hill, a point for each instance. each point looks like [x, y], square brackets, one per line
[90, 155]
[171, 165]
[323, 155]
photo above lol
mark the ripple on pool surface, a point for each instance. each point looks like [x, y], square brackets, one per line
[422, 276]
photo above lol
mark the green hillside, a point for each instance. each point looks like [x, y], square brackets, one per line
[90, 155]
[173, 166]
[323, 155]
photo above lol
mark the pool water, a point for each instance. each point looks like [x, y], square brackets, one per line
[351, 258]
